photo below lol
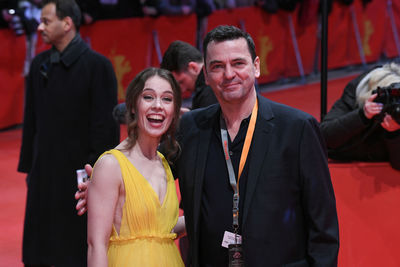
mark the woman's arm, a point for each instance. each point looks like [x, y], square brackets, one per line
[103, 195]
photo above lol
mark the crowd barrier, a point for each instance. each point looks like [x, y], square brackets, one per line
[286, 42]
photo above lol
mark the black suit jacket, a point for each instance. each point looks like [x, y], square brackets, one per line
[289, 214]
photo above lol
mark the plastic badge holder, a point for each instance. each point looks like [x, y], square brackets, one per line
[81, 176]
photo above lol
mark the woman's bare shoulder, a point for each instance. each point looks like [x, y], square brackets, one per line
[107, 169]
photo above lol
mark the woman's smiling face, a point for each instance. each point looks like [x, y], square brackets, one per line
[155, 107]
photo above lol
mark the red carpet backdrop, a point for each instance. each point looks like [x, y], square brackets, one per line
[367, 194]
[133, 44]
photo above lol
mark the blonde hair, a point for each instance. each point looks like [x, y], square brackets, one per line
[379, 77]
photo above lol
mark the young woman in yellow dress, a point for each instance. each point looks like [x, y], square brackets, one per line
[132, 202]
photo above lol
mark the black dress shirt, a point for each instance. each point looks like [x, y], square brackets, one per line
[217, 197]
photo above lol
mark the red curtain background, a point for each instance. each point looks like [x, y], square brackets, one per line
[131, 44]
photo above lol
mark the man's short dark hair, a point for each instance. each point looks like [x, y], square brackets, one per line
[178, 56]
[67, 8]
[226, 33]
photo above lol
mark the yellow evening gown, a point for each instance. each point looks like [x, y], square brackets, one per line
[145, 237]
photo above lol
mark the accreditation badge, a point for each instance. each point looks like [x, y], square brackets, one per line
[235, 252]
[233, 242]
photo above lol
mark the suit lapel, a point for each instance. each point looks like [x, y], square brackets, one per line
[258, 153]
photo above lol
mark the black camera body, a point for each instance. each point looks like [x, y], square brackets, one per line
[20, 23]
[16, 22]
[389, 96]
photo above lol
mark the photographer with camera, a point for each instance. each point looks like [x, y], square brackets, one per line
[364, 124]
[23, 18]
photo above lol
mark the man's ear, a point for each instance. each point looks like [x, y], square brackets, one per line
[194, 67]
[257, 67]
[68, 24]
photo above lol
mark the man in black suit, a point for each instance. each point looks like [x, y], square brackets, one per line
[286, 211]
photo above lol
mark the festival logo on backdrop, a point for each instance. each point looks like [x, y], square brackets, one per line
[122, 66]
[265, 47]
[368, 31]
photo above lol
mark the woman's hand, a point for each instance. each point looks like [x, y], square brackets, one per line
[389, 124]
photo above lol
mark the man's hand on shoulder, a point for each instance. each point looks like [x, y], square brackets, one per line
[81, 194]
[183, 111]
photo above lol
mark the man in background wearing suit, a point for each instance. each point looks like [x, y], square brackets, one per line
[70, 93]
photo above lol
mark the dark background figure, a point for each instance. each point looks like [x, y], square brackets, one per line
[5, 6]
[90, 10]
[176, 7]
[186, 64]
[354, 128]
[30, 14]
[225, 4]
[116, 9]
[204, 8]
[23, 17]
[71, 91]
[150, 7]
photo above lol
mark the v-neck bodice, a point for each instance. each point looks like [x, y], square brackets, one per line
[146, 224]
[168, 177]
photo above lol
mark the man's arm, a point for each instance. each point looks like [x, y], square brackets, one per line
[81, 194]
[318, 198]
